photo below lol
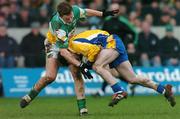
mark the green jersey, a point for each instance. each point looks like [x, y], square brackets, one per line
[60, 31]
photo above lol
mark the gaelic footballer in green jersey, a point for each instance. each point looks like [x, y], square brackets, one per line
[61, 28]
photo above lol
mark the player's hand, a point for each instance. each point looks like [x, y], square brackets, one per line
[85, 71]
[110, 13]
[89, 64]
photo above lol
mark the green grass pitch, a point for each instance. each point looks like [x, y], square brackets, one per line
[138, 107]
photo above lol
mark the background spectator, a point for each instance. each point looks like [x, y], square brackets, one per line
[133, 18]
[24, 18]
[132, 54]
[177, 12]
[48, 5]
[153, 10]
[32, 47]
[2, 18]
[170, 48]
[43, 17]
[13, 15]
[5, 9]
[8, 48]
[148, 44]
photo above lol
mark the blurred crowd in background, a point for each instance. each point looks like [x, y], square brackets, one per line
[143, 46]
[21, 13]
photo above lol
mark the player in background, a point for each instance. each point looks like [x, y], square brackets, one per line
[102, 49]
[61, 27]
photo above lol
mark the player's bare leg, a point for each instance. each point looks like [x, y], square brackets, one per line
[126, 71]
[73, 60]
[51, 72]
[116, 74]
[100, 66]
[79, 90]
[105, 57]
[101, 92]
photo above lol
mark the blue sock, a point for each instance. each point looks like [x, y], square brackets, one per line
[160, 89]
[117, 88]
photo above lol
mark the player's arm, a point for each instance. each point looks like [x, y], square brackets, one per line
[91, 12]
[70, 57]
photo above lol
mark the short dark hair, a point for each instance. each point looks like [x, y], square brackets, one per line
[64, 8]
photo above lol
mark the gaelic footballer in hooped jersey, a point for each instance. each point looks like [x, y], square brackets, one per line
[60, 30]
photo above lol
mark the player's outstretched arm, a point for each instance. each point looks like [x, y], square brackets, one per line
[91, 12]
[70, 57]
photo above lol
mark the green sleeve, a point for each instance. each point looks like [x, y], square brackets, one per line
[55, 26]
[79, 13]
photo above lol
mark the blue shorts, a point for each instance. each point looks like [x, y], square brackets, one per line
[121, 50]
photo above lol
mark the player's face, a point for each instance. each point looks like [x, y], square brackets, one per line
[68, 18]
